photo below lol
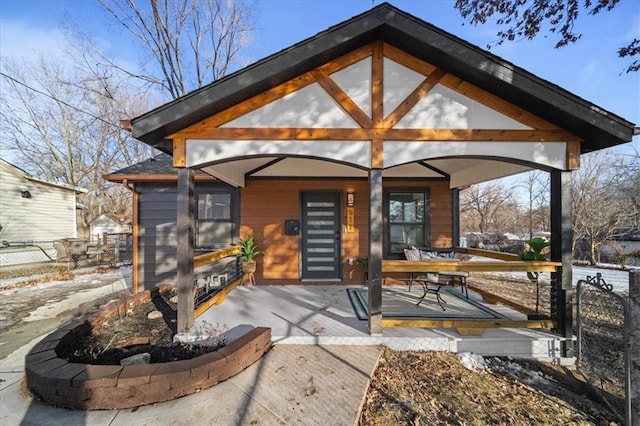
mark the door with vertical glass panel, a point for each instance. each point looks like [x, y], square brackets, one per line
[321, 236]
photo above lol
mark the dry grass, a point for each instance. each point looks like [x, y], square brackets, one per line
[428, 388]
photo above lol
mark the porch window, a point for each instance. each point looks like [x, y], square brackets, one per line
[215, 222]
[406, 220]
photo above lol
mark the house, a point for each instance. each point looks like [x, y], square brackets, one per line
[354, 143]
[111, 224]
[33, 213]
[622, 246]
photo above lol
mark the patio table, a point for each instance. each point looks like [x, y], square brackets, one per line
[424, 281]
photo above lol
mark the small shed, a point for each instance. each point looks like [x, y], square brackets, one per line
[111, 224]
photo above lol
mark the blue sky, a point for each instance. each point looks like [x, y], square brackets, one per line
[589, 69]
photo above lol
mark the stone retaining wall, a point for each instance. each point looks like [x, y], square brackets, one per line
[93, 387]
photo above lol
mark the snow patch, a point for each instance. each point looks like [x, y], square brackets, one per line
[472, 361]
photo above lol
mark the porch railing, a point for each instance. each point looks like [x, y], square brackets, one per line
[493, 262]
[222, 272]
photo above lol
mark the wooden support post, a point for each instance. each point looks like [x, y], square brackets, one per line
[455, 217]
[185, 238]
[376, 230]
[633, 324]
[135, 255]
[561, 251]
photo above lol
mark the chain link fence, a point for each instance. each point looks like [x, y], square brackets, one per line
[601, 337]
[33, 257]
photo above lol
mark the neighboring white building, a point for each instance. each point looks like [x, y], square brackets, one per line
[34, 211]
[110, 223]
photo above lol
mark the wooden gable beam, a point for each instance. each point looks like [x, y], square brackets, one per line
[377, 105]
[407, 60]
[377, 127]
[418, 135]
[345, 102]
[276, 92]
[179, 152]
[471, 91]
[573, 154]
[496, 103]
[416, 96]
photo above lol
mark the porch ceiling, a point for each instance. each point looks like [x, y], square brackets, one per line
[461, 171]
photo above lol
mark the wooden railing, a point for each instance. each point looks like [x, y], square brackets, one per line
[206, 258]
[390, 266]
[493, 262]
[504, 262]
[209, 296]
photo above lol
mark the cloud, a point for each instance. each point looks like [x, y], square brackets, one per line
[18, 40]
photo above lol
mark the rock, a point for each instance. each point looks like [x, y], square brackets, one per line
[174, 300]
[143, 358]
[197, 339]
[154, 315]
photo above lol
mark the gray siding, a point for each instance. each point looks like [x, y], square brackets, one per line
[157, 231]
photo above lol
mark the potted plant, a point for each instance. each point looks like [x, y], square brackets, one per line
[535, 250]
[248, 253]
[364, 263]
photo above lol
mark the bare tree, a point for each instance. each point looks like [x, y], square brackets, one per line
[536, 186]
[185, 43]
[600, 205]
[58, 122]
[627, 180]
[480, 206]
[525, 19]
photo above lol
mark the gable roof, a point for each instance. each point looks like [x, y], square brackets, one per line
[597, 127]
[17, 171]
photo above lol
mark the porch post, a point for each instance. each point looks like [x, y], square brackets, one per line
[561, 251]
[376, 229]
[185, 238]
[455, 217]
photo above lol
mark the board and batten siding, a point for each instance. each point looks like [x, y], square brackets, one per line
[48, 215]
[266, 204]
[157, 215]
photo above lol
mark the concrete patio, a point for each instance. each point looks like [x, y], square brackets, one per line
[323, 315]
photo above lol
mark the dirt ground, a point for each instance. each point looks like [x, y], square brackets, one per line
[132, 334]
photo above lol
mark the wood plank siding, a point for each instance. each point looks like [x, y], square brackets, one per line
[266, 204]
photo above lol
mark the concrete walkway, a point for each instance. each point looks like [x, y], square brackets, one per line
[290, 385]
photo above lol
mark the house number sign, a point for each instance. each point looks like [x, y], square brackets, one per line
[351, 215]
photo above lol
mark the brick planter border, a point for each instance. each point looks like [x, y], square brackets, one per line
[101, 387]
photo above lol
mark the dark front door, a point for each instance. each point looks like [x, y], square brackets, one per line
[321, 236]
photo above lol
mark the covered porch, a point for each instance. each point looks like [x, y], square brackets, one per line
[356, 142]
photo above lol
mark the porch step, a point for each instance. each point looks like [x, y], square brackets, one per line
[396, 343]
[517, 343]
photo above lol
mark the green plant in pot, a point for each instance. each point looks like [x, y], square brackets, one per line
[248, 254]
[363, 262]
[535, 252]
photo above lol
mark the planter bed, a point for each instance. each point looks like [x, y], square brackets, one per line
[66, 384]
